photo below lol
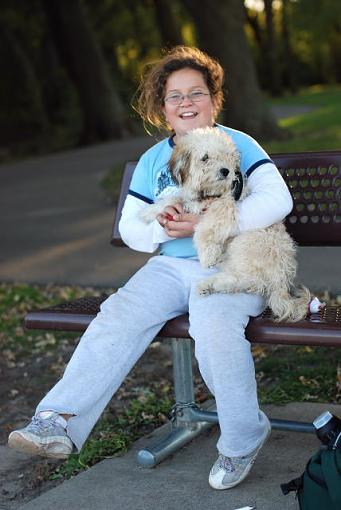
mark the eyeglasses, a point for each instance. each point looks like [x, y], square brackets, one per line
[194, 97]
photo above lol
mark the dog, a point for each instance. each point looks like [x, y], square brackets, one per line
[205, 165]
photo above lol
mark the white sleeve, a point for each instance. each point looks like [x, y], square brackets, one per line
[135, 233]
[269, 201]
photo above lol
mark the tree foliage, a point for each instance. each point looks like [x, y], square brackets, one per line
[70, 67]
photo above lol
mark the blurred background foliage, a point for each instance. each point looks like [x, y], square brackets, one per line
[70, 67]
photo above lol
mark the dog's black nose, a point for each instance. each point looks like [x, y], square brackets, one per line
[224, 172]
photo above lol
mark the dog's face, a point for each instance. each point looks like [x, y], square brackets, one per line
[206, 164]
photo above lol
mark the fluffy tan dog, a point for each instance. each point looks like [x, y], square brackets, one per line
[205, 165]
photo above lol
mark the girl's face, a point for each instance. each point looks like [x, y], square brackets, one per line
[188, 114]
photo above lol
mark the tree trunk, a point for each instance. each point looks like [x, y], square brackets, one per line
[53, 84]
[29, 107]
[220, 27]
[75, 40]
[289, 75]
[168, 25]
[335, 51]
[253, 21]
[271, 54]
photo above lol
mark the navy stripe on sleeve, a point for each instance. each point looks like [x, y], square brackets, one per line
[256, 165]
[140, 197]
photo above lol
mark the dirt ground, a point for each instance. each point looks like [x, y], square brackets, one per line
[23, 478]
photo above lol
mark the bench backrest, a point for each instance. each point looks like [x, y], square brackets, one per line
[314, 179]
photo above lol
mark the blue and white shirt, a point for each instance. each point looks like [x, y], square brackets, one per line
[268, 202]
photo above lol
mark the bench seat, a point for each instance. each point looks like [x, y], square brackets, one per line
[77, 315]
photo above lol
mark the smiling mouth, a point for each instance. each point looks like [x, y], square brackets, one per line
[188, 115]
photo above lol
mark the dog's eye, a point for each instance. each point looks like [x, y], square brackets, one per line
[224, 172]
[204, 158]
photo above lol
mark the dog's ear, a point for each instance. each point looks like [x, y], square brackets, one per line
[237, 185]
[179, 164]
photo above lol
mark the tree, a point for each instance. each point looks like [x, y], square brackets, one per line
[23, 111]
[266, 54]
[167, 23]
[271, 51]
[317, 24]
[104, 117]
[289, 75]
[220, 27]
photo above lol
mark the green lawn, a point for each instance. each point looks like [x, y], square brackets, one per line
[318, 129]
[284, 374]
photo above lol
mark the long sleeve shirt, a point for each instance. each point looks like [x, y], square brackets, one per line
[268, 201]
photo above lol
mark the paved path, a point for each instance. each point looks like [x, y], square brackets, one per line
[180, 482]
[285, 111]
[56, 220]
[55, 223]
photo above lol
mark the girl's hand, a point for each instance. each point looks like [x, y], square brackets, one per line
[176, 223]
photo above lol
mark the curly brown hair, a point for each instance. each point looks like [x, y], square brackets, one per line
[151, 92]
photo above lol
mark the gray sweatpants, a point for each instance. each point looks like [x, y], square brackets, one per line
[127, 323]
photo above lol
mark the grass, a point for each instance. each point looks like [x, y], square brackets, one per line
[16, 300]
[298, 374]
[148, 407]
[284, 374]
[113, 436]
[318, 129]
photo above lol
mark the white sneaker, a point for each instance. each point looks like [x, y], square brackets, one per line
[44, 437]
[230, 471]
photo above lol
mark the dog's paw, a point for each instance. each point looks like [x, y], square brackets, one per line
[204, 288]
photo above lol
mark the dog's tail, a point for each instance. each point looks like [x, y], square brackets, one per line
[290, 306]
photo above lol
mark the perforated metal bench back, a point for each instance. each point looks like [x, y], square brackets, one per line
[314, 179]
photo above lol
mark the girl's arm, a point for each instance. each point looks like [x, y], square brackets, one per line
[269, 200]
[137, 234]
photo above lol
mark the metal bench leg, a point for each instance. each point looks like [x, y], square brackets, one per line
[188, 421]
[183, 428]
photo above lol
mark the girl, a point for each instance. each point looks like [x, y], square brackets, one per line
[180, 92]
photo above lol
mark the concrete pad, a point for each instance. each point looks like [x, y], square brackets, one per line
[181, 480]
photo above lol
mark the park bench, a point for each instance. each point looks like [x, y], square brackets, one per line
[314, 179]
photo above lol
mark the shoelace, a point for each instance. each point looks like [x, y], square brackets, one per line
[45, 424]
[226, 463]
